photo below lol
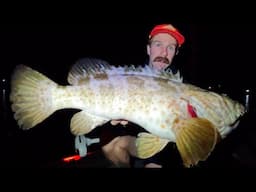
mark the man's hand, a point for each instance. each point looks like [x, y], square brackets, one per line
[153, 165]
[119, 150]
[119, 121]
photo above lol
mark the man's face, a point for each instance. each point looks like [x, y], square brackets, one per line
[161, 51]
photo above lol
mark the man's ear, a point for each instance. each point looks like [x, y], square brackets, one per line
[148, 49]
[177, 51]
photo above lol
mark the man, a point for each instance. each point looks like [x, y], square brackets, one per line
[164, 43]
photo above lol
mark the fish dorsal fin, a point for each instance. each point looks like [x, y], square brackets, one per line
[97, 68]
[168, 73]
[86, 67]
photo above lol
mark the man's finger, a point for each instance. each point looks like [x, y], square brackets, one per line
[122, 122]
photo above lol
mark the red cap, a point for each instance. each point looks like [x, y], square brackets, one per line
[168, 28]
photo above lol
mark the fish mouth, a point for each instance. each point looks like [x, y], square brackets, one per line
[236, 122]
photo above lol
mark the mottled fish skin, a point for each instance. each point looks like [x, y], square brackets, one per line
[151, 101]
[155, 100]
[139, 99]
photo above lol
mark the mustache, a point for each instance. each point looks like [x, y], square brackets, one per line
[162, 59]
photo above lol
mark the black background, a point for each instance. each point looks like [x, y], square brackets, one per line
[218, 52]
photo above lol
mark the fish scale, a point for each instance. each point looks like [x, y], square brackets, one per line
[155, 100]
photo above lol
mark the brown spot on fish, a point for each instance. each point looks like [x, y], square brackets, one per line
[136, 80]
[101, 76]
[83, 80]
[167, 121]
[163, 126]
[177, 124]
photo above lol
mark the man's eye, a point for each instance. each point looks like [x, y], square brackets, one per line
[171, 48]
[157, 44]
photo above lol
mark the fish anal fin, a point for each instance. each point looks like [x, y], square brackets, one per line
[148, 145]
[84, 122]
[195, 139]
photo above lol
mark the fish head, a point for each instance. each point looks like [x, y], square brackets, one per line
[222, 111]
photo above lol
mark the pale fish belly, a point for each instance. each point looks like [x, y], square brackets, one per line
[161, 113]
[142, 100]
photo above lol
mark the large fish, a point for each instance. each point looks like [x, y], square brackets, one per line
[170, 110]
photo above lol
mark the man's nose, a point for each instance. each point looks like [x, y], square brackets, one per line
[164, 51]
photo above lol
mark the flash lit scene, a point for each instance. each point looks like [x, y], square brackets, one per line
[215, 59]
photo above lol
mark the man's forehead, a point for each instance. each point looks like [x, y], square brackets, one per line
[163, 37]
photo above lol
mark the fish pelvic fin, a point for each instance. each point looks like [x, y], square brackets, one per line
[30, 96]
[195, 139]
[84, 122]
[148, 145]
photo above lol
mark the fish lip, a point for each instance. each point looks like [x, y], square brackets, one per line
[239, 119]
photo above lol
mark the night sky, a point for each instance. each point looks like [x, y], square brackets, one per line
[214, 53]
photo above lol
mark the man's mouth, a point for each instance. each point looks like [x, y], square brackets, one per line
[162, 59]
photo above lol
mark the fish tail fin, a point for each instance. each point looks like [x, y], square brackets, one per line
[30, 96]
[196, 138]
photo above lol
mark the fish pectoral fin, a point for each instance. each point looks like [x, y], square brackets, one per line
[195, 139]
[84, 122]
[148, 145]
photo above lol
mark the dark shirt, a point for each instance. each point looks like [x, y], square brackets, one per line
[169, 157]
